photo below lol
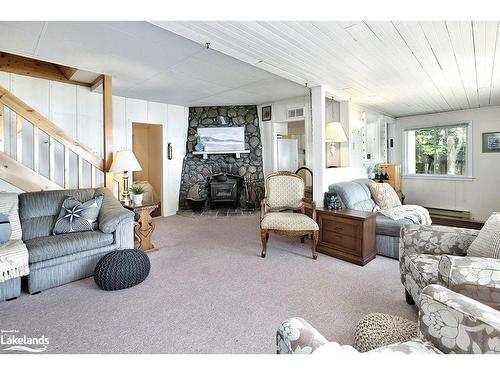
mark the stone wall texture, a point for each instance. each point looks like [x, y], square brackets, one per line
[196, 171]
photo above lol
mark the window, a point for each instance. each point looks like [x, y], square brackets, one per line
[439, 151]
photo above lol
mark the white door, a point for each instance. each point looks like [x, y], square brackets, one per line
[288, 155]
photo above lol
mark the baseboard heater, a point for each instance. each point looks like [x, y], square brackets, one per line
[449, 214]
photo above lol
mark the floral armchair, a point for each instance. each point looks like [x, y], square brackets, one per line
[284, 195]
[438, 255]
[449, 323]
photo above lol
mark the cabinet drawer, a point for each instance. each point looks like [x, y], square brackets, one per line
[341, 226]
[347, 242]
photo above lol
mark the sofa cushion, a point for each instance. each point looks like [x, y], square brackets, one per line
[487, 243]
[354, 195]
[38, 211]
[388, 227]
[49, 247]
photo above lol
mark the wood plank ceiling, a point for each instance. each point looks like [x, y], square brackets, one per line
[400, 68]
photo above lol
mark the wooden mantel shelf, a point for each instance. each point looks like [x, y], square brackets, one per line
[206, 153]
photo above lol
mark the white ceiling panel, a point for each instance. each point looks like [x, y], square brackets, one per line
[146, 61]
[400, 68]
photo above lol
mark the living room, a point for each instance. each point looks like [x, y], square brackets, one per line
[250, 186]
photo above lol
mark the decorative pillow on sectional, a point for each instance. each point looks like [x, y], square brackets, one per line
[78, 217]
[384, 195]
[487, 243]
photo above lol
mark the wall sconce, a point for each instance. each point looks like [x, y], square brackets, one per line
[169, 151]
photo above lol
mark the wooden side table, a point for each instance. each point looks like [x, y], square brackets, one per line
[144, 226]
[347, 234]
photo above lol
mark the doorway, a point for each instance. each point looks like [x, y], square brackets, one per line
[291, 146]
[147, 147]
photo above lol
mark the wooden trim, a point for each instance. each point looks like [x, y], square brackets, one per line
[23, 177]
[36, 149]
[52, 159]
[36, 68]
[2, 119]
[97, 82]
[19, 138]
[107, 104]
[66, 168]
[66, 71]
[36, 119]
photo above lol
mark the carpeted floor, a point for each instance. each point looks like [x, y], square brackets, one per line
[210, 292]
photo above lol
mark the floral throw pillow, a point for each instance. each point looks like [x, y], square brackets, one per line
[487, 243]
[76, 216]
[384, 195]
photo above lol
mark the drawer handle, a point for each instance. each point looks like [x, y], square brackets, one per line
[338, 228]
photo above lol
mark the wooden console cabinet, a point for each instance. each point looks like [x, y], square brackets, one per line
[347, 234]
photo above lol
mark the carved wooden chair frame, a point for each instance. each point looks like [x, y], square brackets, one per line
[306, 204]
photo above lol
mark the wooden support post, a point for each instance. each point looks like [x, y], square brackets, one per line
[66, 168]
[52, 159]
[2, 145]
[19, 138]
[36, 149]
[107, 102]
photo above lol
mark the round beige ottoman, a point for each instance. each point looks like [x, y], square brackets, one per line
[376, 330]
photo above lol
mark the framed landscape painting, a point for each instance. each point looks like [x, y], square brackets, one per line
[491, 142]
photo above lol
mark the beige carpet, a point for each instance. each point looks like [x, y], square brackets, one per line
[210, 292]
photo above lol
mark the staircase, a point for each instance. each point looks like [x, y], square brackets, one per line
[27, 178]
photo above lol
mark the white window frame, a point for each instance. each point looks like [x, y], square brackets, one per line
[469, 176]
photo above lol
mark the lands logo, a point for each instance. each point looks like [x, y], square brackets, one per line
[11, 340]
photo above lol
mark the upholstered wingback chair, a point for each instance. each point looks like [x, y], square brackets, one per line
[448, 323]
[438, 255]
[284, 195]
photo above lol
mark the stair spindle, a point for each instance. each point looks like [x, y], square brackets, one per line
[19, 138]
[66, 168]
[2, 147]
[80, 172]
[52, 159]
[36, 149]
[93, 176]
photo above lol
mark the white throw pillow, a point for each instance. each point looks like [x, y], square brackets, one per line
[384, 195]
[487, 243]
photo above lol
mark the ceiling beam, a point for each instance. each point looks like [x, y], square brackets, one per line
[36, 68]
[67, 71]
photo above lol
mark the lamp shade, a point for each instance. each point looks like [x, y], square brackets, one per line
[335, 132]
[125, 161]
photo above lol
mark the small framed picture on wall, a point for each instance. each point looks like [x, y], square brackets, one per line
[491, 142]
[266, 113]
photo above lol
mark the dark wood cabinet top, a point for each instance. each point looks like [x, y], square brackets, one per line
[347, 213]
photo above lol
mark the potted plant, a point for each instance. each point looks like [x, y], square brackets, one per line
[137, 191]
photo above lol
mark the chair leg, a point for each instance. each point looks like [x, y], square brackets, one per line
[314, 244]
[409, 298]
[264, 236]
[301, 239]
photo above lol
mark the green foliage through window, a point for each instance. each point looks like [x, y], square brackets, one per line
[438, 150]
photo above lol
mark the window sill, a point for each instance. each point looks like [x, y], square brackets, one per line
[438, 177]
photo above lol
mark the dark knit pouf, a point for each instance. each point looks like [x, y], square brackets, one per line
[121, 269]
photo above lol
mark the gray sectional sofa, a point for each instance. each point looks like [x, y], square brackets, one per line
[59, 259]
[356, 195]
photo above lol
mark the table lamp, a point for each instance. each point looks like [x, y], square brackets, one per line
[334, 132]
[124, 162]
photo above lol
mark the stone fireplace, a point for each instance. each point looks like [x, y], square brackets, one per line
[223, 179]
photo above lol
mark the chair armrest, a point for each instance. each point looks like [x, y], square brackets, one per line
[475, 277]
[435, 240]
[296, 336]
[310, 204]
[457, 324]
[112, 212]
[263, 207]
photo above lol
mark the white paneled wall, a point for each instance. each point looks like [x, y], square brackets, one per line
[479, 196]
[78, 111]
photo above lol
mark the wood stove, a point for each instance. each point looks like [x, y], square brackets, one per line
[224, 189]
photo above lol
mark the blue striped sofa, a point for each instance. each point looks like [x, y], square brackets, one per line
[60, 259]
